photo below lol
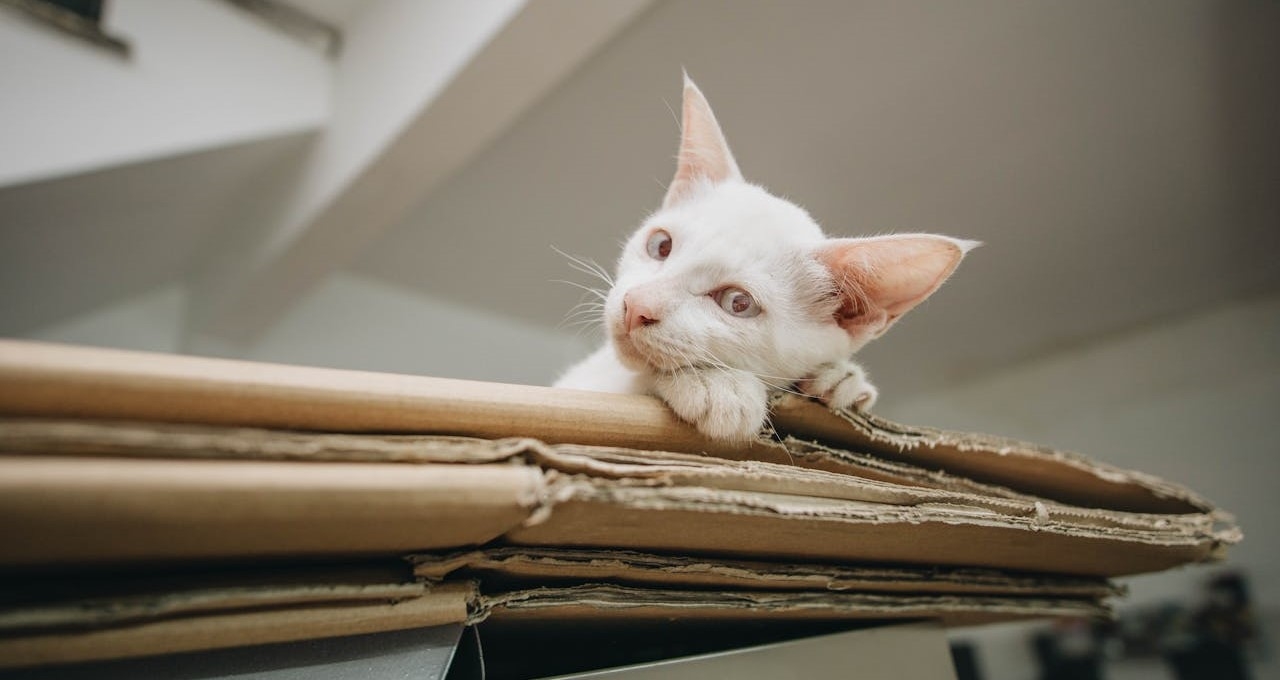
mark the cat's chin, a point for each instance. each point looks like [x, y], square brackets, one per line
[640, 358]
[630, 355]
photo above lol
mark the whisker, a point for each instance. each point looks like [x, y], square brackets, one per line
[586, 266]
[594, 291]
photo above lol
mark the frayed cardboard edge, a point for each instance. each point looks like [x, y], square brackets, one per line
[606, 599]
[907, 438]
[568, 468]
[654, 570]
[732, 502]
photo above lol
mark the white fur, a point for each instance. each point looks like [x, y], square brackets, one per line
[713, 368]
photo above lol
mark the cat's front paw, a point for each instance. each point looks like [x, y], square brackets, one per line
[723, 404]
[841, 385]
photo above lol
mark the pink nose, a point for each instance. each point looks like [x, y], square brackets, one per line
[637, 312]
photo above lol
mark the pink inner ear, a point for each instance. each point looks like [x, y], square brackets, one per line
[704, 154]
[882, 278]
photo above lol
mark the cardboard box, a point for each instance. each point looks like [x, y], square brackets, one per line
[526, 508]
[125, 617]
[50, 380]
[189, 492]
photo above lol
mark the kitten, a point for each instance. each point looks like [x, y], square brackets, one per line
[728, 291]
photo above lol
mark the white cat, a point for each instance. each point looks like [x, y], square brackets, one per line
[728, 291]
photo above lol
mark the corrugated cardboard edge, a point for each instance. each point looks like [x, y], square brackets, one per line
[442, 604]
[237, 621]
[594, 602]
[114, 438]
[132, 439]
[756, 525]
[1030, 468]
[655, 468]
[818, 456]
[530, 564]
[48, 380]
[201, 508]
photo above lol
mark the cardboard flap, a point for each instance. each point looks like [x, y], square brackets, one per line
[626, 567]
[196, 599]
[758, 525]
[222, 627]
[200, 618]
[66, 381]
[92, 510]
[48, 380]
[129, 439]
[637, 468]
[172, 500]
[1036, 470]
[605, 602]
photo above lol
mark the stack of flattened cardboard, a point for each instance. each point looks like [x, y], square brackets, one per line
[137, 489]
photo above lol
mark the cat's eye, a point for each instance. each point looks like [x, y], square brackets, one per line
[737, 302]
[659, 245]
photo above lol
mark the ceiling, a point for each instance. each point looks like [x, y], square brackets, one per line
[1118, 160]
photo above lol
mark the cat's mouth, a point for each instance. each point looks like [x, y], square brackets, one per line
[641, 353]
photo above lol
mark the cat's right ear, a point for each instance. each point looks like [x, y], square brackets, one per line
[704, 155]
[881, 278]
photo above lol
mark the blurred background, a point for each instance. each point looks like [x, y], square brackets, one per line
[378, 184]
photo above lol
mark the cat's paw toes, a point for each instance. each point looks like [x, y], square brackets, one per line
[689, 399]
[722, 405]
[734, 417]
[841, 385]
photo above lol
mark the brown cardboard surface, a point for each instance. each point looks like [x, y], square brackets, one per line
[194, 503]
[124, 458]
[77, 511]
[444, 603]
[47, 380]
[128, 608]
[201, 618]
[655, 468]
[103, 509]
[625, 567]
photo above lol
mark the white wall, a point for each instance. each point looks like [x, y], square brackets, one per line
[355, 322]
[150, 322]
[201, 74]
[351, 322]
[397, 56]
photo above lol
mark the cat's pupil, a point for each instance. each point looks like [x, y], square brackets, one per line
[659, 245]
[737, 302]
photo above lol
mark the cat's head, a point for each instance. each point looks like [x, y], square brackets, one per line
[727, 274]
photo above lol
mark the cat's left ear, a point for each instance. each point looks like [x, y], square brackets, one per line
[704, 155]
[881, 278]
